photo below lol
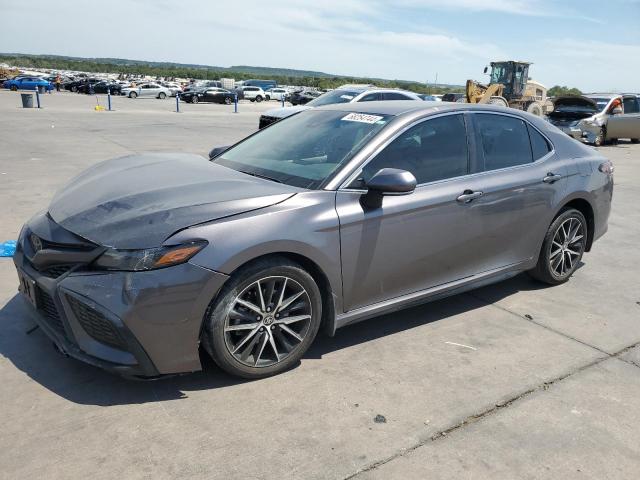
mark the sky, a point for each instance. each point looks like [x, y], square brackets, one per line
[591, 45]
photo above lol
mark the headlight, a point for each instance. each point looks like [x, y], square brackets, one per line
[148, 259]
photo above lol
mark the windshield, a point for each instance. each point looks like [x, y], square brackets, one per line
[335, 96]
[305, 149]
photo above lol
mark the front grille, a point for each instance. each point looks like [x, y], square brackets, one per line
[265, 121]
[96, 324]
[47, 307]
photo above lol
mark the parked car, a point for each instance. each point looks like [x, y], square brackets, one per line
[276, 93]
[79, 84]
[454, 97]
[203, 84]
[27, 83]
[100, 87]
[429, 98]
[598, 118]
[174, 88]
[215, 95]
[345, 94]
[302, 97]
[254, 94]
[327, 218]
[147, 90]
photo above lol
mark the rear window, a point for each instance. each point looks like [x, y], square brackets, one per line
[539, 145]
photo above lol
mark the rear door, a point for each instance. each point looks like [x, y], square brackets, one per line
[626, 125]
[521, 181]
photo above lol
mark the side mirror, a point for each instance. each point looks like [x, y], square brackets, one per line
[387, 181]
[218, 151]
[616, 111]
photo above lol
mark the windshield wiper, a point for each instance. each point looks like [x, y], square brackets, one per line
[253, 174]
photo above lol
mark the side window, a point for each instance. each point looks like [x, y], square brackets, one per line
[503, 140]
[433, 150]
[630, 105]
[370, 97]
[539, 144]
[396, 96]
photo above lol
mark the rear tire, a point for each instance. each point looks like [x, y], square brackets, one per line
[562, 248]
[258, 98]
[256, 344]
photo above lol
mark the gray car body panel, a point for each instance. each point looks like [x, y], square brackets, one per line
[414, 248]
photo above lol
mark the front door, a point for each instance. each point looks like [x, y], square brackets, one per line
[626, 125]
[415, 241]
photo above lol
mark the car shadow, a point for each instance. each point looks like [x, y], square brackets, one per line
[31, 352]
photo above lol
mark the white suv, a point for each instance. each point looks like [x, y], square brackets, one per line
[255, 94]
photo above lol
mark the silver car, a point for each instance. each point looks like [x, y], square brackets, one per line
[147, 90]
[327, 218]
[598, 118]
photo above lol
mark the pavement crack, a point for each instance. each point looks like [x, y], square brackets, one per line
[476, 417]
[530, 319]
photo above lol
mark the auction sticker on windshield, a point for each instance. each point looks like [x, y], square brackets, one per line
[362, 118]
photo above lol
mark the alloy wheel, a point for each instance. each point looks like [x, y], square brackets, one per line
[567, 247]
[268, 321]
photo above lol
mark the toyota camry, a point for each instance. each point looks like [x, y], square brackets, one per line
[326, 218]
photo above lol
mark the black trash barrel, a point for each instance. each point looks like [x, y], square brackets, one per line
[27, 100]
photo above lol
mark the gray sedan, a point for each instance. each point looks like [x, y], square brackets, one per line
[327, 218]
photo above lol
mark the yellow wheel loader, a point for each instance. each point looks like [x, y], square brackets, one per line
[509, 86]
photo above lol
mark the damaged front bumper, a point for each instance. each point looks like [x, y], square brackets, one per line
[141, 324]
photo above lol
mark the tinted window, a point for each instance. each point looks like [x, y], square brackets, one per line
[630, 105]
[396, 96]
[370, 97]
[432, 150]
[539, 144]
[503, 140]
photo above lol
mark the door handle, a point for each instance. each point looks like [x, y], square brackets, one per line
[468, 196]
[551, 178]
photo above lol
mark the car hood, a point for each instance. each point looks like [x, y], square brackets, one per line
[572, 108]
[285, 111]
[139, 201]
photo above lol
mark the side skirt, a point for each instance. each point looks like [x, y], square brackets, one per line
[430, 294]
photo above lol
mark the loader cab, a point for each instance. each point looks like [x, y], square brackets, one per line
[513, 75]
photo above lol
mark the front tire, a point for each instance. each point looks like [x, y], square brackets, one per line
[227, 100]
[264, 319]
[562, 249]
[162, 95]
[133, 95]
[258, 98]
[194, 99]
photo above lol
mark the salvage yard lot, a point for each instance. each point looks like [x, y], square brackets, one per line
[515, 380]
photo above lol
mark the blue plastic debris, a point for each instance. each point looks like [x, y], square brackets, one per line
[8, 248]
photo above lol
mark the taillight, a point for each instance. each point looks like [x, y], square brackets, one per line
[606, 167]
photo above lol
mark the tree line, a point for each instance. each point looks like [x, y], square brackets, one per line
[174, 71]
